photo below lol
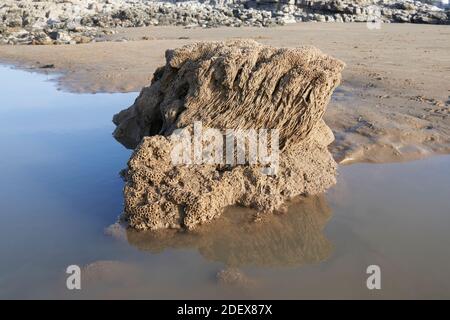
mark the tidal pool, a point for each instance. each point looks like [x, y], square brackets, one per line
[61, 188]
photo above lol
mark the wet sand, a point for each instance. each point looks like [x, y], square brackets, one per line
[393, 104]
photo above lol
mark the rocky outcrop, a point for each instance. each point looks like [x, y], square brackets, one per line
[82, 21]
[238, 86]
[231, 85]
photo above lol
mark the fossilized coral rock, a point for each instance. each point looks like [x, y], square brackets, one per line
[237, 84]
[159, 194]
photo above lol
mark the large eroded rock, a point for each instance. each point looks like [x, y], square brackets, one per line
[238, 84]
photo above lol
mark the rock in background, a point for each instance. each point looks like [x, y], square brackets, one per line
[82, 21]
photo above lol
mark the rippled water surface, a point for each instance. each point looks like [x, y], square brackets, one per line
[60, 189]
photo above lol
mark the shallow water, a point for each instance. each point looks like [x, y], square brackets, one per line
[60, 188]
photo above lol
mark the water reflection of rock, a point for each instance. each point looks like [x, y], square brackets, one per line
[290, 239]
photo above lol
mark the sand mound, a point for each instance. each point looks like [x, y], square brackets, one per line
[234, 85]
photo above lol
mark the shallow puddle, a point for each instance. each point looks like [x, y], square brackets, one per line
[60, 189]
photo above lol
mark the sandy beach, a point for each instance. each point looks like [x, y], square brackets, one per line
[75, 196]
[393, 103]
